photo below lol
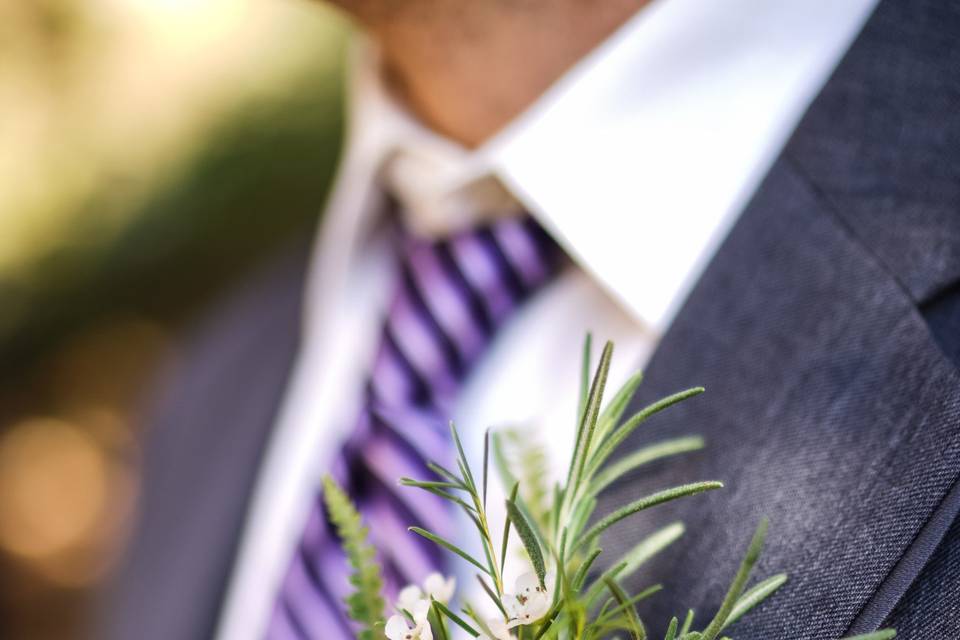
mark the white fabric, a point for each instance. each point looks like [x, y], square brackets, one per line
[638, 161]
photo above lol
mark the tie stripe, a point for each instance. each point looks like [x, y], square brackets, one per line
[477, 306]
[449, 298]
[451, 352]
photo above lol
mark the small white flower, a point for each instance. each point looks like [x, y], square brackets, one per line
[440, 588]
[408, 597]
[529, 602]
[398, 627]
[498, 628]
[435, 586]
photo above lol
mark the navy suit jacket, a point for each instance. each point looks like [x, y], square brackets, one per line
[826, 331]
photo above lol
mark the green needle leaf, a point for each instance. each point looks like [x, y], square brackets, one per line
[754, 596]
[492, 595]
[460, 622]
[435, 620]
[529, 539]
[687, 623]
[884, 634]
[462, 460]
[739, 582]
[641, 457]
[645, 503]
[443, 472]
[428, 484]
[636, 627]
[672, 629]
[614, 410]
[627, 564]
[646, 593]
[506, 529]
[486, 464]
[591, 413]
[581, 575]
[617, 437]
[584, 375]
[449, 546]
[432, 487]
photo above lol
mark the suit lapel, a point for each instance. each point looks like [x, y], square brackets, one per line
[829, 407]
[881, 144]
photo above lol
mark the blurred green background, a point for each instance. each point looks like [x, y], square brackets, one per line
[151, 153]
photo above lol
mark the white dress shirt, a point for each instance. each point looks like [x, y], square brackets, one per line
[638, 162]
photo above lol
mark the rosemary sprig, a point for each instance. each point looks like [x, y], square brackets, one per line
[560, 531]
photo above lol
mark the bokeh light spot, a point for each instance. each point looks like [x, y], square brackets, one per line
[53, 487]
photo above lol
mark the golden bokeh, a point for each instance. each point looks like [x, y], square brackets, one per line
[54, 488]
[80, 79]
[106, 108]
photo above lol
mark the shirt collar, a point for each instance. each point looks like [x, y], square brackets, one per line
[640, 158]
[442, 185]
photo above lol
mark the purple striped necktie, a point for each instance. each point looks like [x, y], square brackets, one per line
[450, 297]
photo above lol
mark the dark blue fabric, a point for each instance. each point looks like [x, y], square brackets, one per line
[881, 143]
[931, 608]
[894, 588]
[829, 408]
[833, 398]
[942, 314]
[205, 436]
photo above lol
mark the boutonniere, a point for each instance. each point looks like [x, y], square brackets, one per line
[560, 594]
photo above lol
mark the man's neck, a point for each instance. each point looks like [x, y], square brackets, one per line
[468, 68]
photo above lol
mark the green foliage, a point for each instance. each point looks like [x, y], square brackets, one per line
[631, 621]
[518, 451]
[460, 622]
[739, 583]
[365, 605]
[754, 596]
[564, 532]
[530, 543]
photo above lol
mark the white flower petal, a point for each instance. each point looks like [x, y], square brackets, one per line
[424, 632]
[526, 583]
[408, 597]
[433, 583]
[499, 628]
[420, 611]
[538, 606]
[396, 627]
[440, 588]
[512, 605]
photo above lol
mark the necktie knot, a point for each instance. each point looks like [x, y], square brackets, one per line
[450, 297]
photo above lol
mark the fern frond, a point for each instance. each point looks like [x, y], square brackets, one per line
[527, 455]
[365, 605]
